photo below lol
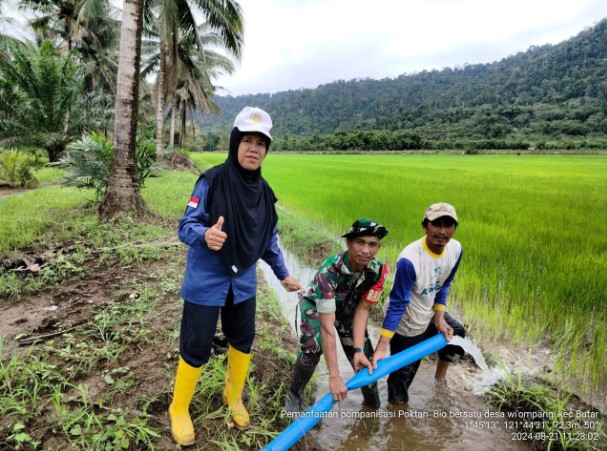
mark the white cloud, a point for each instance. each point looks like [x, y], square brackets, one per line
[290, 45]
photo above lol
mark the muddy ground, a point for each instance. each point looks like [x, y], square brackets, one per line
[58, 315]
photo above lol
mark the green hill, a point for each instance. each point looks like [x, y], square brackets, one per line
[547, 96]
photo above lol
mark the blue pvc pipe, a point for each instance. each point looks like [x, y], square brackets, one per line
[314, 414]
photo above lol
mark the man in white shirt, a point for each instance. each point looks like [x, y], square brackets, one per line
[417, 306]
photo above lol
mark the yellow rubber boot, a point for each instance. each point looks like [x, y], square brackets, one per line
[236, 374]
[182, 428]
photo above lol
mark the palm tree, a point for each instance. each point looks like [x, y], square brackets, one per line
[65, 20]
[196, 68]
[46, 108]
[177, 33]
[122, 195]
[84, 25]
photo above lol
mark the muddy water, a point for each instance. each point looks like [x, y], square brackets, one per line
[439, 415]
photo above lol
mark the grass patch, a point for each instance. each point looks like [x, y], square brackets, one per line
[73, 391]
[50, 175]
[547, 417]
[169, 194]
[89, 243]
[38, 215]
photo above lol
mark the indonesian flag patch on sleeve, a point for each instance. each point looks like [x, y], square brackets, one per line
[193, 202]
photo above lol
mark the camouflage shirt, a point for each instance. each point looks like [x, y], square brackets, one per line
[336, 288]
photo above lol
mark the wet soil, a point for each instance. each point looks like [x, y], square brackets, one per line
[58, 309]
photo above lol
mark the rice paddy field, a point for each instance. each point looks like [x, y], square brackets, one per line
[533, 228]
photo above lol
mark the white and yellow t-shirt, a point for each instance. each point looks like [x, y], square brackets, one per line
[421, 285]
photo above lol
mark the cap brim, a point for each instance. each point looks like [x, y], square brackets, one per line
[357, 234]
[250, 128]
[441, 215]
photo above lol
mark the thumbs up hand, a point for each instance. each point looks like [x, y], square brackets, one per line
[214, 236]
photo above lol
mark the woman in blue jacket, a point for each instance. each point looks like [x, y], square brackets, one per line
[228, 225]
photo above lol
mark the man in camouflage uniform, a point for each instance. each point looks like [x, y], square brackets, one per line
[339, 298]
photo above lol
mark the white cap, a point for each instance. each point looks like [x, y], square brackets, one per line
[253, 119]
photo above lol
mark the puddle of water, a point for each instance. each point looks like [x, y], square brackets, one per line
[288, 301]
[439, 415]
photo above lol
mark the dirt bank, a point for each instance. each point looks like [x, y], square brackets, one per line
[109, 338]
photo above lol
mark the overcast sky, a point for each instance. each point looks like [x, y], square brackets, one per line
[293, 44]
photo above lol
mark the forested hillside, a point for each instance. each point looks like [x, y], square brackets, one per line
[553, 96]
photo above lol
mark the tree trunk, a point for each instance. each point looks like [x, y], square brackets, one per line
[183, 124]
[193, 126]
[54, 152]
[160, 105]
[122, 195]
[172, 135]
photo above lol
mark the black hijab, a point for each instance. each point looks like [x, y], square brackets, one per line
[246, 202]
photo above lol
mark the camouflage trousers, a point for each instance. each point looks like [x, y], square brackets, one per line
[311, 341]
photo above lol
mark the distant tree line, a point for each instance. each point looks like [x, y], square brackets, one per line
[396, 141]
